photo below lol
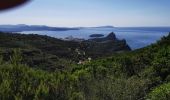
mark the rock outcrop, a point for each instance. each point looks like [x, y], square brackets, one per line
[106, 45]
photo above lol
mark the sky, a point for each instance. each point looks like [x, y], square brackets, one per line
[79, 13]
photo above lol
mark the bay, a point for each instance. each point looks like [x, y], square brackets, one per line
[136, 37]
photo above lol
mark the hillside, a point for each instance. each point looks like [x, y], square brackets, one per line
[23, 27]
[136, 75]
[55, 54]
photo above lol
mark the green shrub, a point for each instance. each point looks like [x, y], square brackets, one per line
[160, 93]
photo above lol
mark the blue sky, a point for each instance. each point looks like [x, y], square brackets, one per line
[73, 13]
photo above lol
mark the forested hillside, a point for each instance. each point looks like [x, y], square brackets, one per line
[48, 53]
[133, 75]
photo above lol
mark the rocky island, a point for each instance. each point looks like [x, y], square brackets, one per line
[96, 35]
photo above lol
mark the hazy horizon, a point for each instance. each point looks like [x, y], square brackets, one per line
[78, 13]
[85, 26]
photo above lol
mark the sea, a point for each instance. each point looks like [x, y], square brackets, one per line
[136, 37]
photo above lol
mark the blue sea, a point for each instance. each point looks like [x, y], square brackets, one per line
[136, 37]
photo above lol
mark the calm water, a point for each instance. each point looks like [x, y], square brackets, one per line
[135, 37]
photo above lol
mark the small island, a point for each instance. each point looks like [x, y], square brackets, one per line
[96, 35]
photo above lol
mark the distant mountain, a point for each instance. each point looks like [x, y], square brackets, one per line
[104, 27]
[97, 27]
[23, 27]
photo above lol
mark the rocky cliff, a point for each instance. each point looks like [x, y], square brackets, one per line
[107, 45]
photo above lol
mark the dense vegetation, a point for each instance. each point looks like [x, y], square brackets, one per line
[136, 75]
[49, 53]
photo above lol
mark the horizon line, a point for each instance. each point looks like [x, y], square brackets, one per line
[86, 26]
